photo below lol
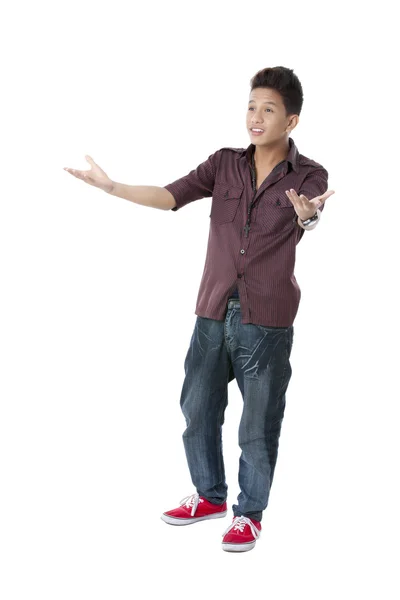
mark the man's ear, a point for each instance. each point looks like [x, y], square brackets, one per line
[294, 119]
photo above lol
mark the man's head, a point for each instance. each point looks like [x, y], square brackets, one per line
[275, 101]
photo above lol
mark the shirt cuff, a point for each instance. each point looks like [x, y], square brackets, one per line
[312, 225]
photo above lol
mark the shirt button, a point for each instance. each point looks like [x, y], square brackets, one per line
[239, 276]
[242, 251]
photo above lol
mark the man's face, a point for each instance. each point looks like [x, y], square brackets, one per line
[266, 111]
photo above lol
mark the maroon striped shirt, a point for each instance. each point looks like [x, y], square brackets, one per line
[260, 265]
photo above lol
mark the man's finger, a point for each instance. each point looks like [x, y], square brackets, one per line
[76, 173]
[90, 160]
[326, 194]
[294, 197]
[304, 198]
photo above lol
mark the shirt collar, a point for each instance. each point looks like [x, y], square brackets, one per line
[292, 156]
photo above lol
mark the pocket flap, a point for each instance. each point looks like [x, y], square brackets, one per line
[280, 200]
[227, 190]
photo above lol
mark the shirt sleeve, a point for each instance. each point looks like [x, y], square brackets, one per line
[199, 183]
[315, 184]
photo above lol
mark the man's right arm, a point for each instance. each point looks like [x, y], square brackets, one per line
[198, 183]
[146, 195]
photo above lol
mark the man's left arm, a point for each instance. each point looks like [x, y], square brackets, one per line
[311, 199]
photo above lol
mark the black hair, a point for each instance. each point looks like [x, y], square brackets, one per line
[284, 81]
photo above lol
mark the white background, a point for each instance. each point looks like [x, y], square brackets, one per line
[98, 297]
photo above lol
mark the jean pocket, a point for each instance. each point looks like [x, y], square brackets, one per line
[271, 329]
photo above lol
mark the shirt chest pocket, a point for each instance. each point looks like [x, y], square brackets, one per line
[275, 213]
[225, 202]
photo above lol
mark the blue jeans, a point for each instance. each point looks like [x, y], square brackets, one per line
[258, 358]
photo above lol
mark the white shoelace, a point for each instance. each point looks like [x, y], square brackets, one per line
[239, 524]
[191, 501]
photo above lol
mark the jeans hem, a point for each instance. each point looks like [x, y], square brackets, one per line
[254, 516]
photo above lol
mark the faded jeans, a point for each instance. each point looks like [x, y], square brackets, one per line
[258, 358]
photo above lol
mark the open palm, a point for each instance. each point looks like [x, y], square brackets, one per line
[304, 207]
[94, 176]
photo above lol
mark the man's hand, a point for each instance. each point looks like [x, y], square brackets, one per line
[94, 176]
[307, 208]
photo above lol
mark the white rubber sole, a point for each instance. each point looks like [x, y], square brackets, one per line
[238, 547]
[176, 521]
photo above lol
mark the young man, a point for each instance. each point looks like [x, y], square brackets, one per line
[263, 199]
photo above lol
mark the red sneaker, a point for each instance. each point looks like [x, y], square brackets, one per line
[241, 535]
[192, 509]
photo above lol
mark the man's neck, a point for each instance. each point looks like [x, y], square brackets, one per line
[266, 157]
